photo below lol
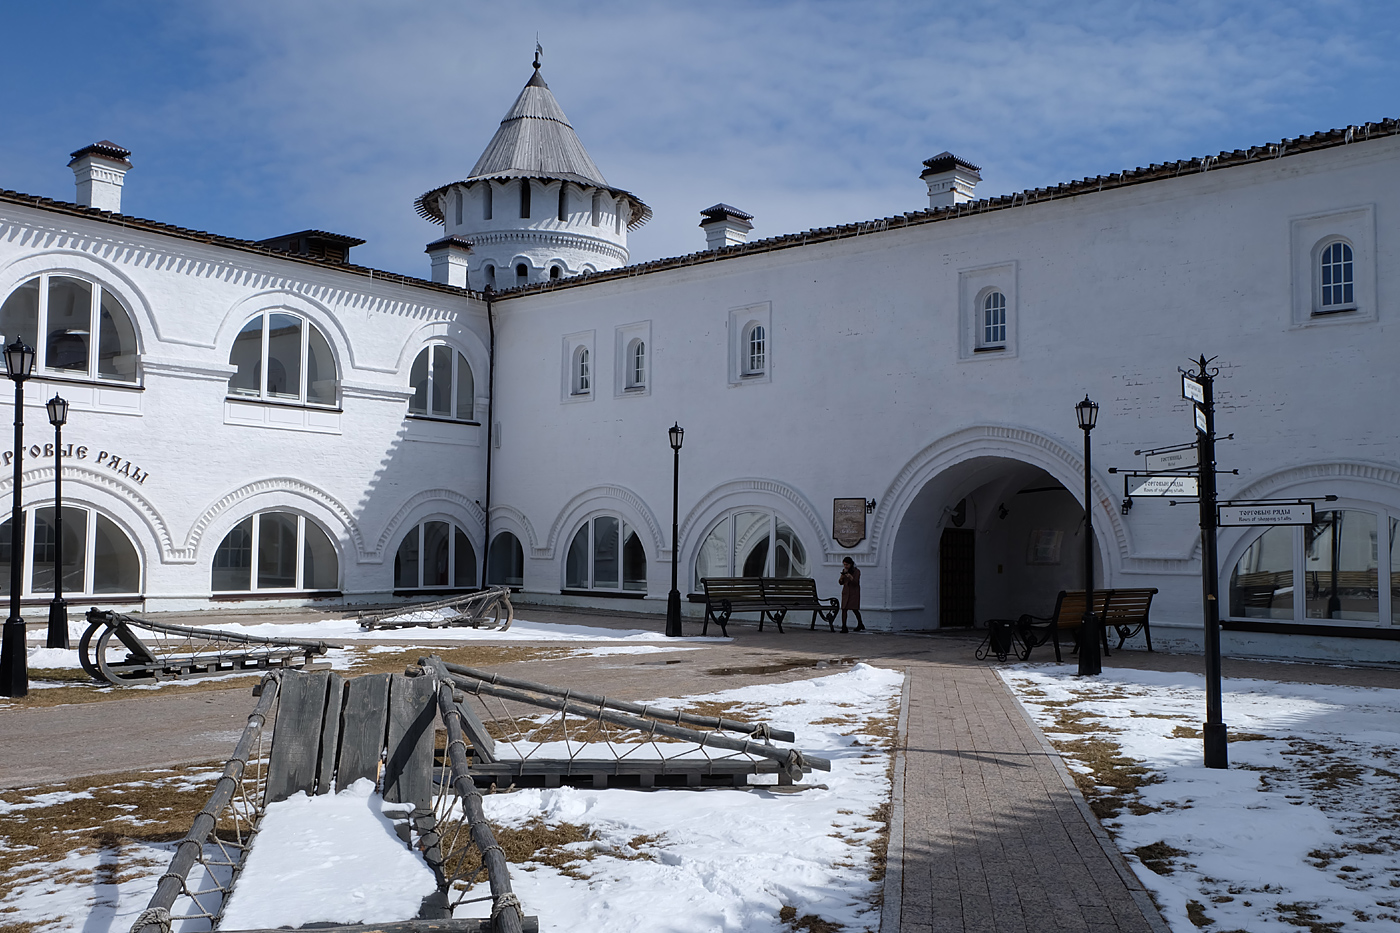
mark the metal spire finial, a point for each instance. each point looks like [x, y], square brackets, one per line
[539, 50]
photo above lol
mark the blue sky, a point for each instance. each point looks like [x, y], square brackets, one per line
[253, 118]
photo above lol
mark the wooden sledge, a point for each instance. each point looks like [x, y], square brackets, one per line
[329, 733]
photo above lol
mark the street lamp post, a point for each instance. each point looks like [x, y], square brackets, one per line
[1090, 660]
[673, 602]
[58, 608]
[14, 662]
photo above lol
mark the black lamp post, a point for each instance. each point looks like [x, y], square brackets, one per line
[1090, 660]
[58, 609]
[14, 662]
[673, 602]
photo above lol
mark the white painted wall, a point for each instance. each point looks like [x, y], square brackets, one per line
[366, 473]
[874, 390]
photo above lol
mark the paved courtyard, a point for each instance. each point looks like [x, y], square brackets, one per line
[988, 831]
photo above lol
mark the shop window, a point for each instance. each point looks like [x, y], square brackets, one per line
[275, 551]
[606, 554]
[86, 333]
[283, 357]
[98, 558]
[505, 561]
[435, 554]
[751, 544]
[1341, 568]
[443, 386]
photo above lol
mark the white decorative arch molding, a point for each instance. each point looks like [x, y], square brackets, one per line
[594, 498]
[1378, 474]
[460, 504]
[1011, 443]
[704, 510]
[155, 524]
[289, 486]
[302, 303]
[516, 517]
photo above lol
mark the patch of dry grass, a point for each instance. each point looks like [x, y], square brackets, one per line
[146, 807]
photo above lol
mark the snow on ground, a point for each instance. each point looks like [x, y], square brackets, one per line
[1302, 830]
[665, 860]
[345, 630]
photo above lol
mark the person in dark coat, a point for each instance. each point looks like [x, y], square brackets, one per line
[850, 593]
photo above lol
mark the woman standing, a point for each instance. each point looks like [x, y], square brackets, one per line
[850, 593]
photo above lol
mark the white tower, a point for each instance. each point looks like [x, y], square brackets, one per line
[534, 207]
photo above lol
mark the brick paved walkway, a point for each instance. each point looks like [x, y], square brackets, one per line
[993, 836]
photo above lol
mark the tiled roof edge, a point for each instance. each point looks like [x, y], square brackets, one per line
[1298, 145]
[214, 239]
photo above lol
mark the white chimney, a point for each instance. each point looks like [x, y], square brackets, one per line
[950, 180]
[99, 170]
[725, 226]
[449, 256]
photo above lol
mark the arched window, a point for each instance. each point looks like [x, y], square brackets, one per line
[994, 320]
[1335, 277]
[457, 205]
[435, 554]
[505, 561]
[606, 554]
[491, 275]
[1344, 567]
[755, 350]
[442, 383]
[636, 364]
[68, 312]
[564, 200]
[293, 554]
[597, 208]
[751, 543]
[525, 198]
[554, 273]
[522, 273]
[582, 374]
[285, 357]
[98, 558]
[486, 198]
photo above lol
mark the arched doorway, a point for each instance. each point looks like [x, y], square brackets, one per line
[987, 538]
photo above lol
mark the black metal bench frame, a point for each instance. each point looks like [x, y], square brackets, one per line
[771, 597]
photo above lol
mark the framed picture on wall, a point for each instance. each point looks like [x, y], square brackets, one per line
[1044, 547]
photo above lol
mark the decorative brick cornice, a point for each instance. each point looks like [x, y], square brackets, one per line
[597, 497]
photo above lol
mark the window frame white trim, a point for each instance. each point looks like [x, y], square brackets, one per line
[626, 338]
[254, 542]
[97, 287]
[742, 322]
[459, 359]
[975, 285]
[304, 374]
[591, 585]
[1308, 236]
[27, 591]
[570, 390]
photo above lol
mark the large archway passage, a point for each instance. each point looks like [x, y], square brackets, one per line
[987, 538]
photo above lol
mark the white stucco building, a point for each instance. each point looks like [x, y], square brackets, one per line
[263, 423]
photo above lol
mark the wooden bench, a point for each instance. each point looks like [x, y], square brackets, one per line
[1124, 610]
[770, 597]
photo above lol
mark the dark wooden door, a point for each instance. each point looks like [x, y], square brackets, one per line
[956, 580]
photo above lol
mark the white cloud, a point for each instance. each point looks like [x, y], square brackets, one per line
[338, 114]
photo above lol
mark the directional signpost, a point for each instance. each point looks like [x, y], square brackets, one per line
[1198, 385]
[1187, 471]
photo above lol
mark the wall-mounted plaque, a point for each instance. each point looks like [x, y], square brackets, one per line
[848, 521]
[1044, 547]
